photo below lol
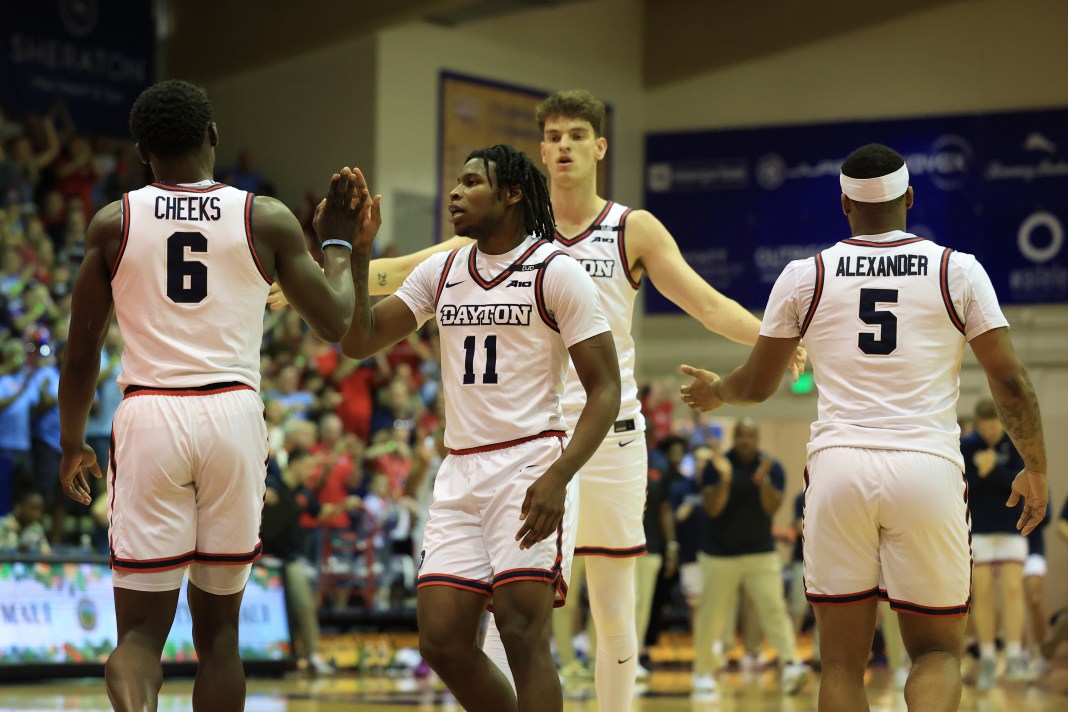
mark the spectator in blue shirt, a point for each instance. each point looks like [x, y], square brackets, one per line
[17, 398]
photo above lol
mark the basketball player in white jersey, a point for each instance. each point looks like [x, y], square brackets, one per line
[617, 246]
[511, 310]
[186, 264]
[885, 316]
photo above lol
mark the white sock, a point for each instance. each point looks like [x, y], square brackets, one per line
[611, 585]
[493, 647]
[988, 651]
[1013, 650]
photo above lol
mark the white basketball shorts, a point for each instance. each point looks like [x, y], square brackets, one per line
[614, 482]
[999, 549]
[469, 541]
[891, 524]
[186, 486]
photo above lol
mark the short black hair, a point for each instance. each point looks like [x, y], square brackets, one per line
[515, 168]
[872, 161]
[170, 118]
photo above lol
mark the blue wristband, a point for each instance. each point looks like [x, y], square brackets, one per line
[339, 243]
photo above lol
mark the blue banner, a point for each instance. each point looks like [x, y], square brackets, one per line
[95, 56]
[743, 203]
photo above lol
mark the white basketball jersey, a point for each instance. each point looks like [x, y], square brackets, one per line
[602, 251]
[505, 322]
[188, 288]
[885, 319]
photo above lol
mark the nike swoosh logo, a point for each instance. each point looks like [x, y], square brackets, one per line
[624, 445]
[623, 661]
[453, 284]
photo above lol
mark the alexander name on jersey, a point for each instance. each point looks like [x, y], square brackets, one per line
[882, 266]
[484, 314]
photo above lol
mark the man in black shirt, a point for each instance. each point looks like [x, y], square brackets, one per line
[739, 552]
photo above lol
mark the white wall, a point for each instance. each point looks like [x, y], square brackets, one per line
[303, 118]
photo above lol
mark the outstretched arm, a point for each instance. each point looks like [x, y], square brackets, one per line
[324, 298]
[753, 382]
[652, 248]
[385, 274]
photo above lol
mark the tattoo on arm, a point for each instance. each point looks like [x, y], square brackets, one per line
[381, 279]
[1021, 419]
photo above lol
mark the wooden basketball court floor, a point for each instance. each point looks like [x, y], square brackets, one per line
[665, 692]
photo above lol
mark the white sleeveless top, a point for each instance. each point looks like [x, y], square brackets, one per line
[188, 288]
[506, 322]
[601, 249]
[885, 319]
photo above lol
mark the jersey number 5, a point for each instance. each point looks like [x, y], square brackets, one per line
[887, 321]
[179, 269]
[490, 376]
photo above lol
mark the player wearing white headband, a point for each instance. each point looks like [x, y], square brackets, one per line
[885, 316]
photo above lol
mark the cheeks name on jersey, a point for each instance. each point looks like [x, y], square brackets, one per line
[599, 268]
[882, 266]
[187, 207]
[485, 314]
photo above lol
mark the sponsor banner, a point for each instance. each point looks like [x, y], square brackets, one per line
[743, 203]
[55, 612]
[92, 55]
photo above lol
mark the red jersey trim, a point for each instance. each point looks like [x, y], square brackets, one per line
[442, 281]
[471, 268]
[186, 189]
[209, 391]
[623, 250]
[508, 443]
[125, 227]
[947, 298]
[611, 553]
[816, 294]
[941, 611]
[895, 243]
[589, 230]
[249, 198]
[539, 293]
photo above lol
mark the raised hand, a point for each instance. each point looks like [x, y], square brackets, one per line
[338, 216]
[364, 211]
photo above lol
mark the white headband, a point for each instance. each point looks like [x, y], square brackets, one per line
[876, 190]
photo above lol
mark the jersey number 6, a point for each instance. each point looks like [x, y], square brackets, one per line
[179, 269]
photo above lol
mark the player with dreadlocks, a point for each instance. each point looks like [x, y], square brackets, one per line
[511, 310]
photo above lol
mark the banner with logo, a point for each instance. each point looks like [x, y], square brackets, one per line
[64, 612]
[94, 56]
[743, 203]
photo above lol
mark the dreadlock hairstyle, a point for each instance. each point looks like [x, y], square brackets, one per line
[169, 118]
[515, 168]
